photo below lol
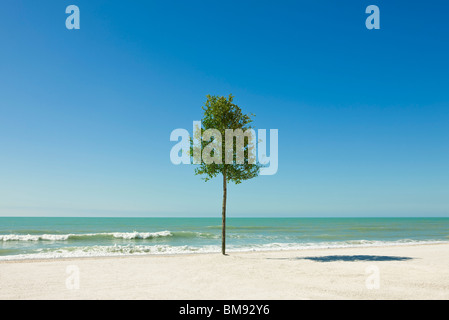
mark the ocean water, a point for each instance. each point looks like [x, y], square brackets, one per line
[34, 238]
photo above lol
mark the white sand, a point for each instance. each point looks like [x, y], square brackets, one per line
[378, 273]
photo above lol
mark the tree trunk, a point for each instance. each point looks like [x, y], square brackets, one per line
[223, 214]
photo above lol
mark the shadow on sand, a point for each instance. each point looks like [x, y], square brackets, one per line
[348, 258]
[356, 258]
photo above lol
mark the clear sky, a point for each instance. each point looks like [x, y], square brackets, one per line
[86, 115]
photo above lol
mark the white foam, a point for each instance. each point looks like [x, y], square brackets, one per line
[102, 251]
[329, 245]
[141, 235]
[127, 250]
[64, 237]
[28, 237]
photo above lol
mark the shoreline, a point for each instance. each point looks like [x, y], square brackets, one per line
[229, 252]
[416, 271]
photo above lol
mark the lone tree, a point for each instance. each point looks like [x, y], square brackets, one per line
[235, 159]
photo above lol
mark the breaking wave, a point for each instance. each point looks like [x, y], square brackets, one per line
[72, 236]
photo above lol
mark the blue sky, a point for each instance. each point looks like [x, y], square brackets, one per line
[86, 115]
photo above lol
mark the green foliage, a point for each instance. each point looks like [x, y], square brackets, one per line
[221, 113]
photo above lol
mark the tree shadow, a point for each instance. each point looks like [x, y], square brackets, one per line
[356, 258]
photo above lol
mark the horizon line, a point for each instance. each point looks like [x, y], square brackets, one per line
[219, 217]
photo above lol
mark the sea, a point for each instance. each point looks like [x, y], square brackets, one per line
[52, 237]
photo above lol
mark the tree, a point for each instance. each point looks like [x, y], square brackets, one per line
[235, 159]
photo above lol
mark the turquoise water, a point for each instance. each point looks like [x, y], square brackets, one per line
[32, 238]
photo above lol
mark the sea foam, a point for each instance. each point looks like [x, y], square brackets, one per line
[132, 249]
[65, 237]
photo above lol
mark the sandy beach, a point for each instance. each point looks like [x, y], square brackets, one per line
[391, 272]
